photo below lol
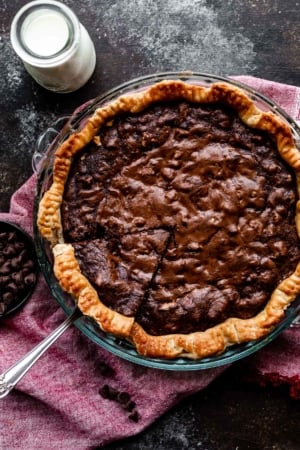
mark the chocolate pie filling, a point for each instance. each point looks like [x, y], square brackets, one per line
[182, 216]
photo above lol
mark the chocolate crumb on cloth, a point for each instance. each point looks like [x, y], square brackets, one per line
[123, 398]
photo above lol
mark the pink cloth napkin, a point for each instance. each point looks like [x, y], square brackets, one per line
[58, 405]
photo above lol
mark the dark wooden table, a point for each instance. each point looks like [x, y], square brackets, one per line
[133, 38]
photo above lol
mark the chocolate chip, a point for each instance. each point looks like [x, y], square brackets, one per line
[106, 370]
[7, 298]
[15, 263]
[123, 398]
[12, 287]
[19, 246]
[4, 280]
[22, 258]
[108, 392]
[29, 264]
[11, 236]
[5, 268]
[9, 250]
[17, 277]
[129, 406]
[29, 280]
[134, 416]
[3, 308]
[104, 391]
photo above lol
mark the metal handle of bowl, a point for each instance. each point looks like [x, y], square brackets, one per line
[13, 375]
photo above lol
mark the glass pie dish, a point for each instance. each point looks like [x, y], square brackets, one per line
[42, 164]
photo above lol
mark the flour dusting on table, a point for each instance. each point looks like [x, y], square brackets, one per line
[13, 67]
[176, 35]
[31, 122]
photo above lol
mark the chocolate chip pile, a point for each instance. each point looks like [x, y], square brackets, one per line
[123, 398]
[17, 268]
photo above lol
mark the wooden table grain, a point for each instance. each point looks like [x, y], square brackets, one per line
[135, 38]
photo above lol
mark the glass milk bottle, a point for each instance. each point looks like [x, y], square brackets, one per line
[55, 48]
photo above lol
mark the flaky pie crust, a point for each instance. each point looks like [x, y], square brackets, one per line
[66, 268]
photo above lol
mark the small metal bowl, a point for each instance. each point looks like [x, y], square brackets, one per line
[20, 289]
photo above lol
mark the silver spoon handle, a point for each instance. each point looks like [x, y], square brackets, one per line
[13, 375]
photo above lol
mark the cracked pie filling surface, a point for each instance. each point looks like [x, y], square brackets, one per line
[173, 220]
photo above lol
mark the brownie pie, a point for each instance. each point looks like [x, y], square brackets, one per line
[173, 220]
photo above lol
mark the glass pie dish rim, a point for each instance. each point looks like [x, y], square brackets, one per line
[46, 146]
